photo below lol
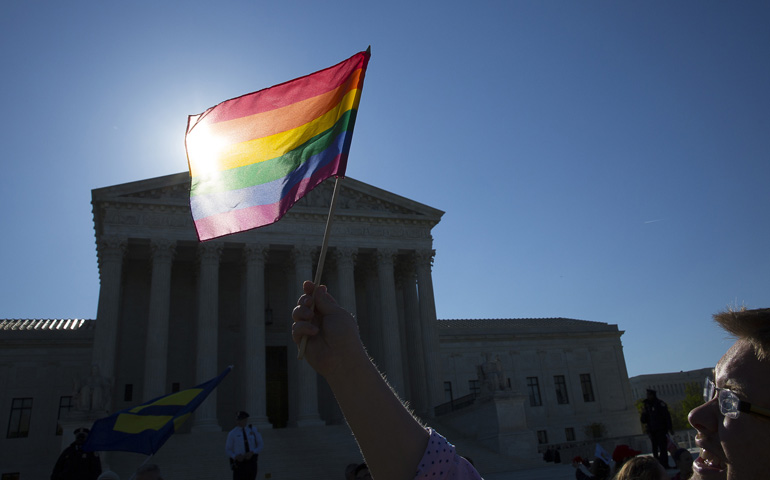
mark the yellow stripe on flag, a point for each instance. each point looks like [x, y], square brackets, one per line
[128, 423]
[180, 399]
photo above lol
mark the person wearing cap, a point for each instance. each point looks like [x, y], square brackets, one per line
[244, 443]
[657, 420]
[74, 463]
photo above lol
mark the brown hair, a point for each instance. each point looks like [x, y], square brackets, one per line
[750, 325]
[641, 468]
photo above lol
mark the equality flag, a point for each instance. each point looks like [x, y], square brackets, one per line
[253, 157]
[145, 428]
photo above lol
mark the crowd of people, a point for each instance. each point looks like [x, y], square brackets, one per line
[732, 424]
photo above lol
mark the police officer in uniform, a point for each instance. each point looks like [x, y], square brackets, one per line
[243, 446]
[657, 419]
[74, 463]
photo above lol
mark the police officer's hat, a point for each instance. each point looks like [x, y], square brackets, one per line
[241, 415]
[82, 431]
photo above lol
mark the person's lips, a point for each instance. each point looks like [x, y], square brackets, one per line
[708, 464]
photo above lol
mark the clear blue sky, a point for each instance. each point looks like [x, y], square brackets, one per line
[604, 161]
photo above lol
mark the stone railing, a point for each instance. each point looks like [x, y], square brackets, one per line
[455, 404]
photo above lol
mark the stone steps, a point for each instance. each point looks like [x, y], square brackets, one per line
[291, 453]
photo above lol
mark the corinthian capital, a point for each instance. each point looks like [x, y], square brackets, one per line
[345, 256]
[209, 251]
[253, 252]
[163, 249]
[425, 257]
[111, 247]
[303, 254]
[385, 255]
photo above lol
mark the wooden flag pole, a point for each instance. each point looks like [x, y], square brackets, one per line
[322, 256]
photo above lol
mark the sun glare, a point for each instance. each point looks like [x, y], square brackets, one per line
[204, 149]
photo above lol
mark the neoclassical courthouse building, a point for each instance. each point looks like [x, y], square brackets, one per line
[174, 312]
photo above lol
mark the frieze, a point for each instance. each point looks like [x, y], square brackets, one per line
[116, 217]
[157, 215]
[168, 220]
[178, 217]
[173, 218]
[292, 225]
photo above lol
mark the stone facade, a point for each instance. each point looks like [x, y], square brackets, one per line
[167, 300]
[174, 312]
[571, 373]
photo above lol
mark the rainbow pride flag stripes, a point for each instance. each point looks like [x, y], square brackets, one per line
[253, 157]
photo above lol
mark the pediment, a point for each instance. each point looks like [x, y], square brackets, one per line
[169, 189]
[355, 198]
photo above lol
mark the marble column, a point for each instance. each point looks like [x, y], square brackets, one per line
[208, 324]
[414, 348]
[428, 320]
[156, 346]
[391, 337]
[255, 382]
[111, 250]
[307, 378]
[346, 283]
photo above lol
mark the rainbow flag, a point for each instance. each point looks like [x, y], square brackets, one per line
[253, 157]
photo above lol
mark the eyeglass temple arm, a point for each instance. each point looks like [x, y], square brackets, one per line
[765, 412]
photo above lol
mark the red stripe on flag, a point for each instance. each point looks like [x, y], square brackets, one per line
[287, 93]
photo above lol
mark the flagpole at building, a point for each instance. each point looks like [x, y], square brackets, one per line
[322, 256]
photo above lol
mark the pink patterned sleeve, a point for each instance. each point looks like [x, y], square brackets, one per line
[441, 461]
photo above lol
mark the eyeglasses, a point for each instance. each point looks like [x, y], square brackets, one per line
[729, 403]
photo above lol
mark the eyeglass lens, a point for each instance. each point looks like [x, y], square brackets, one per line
[728, 401]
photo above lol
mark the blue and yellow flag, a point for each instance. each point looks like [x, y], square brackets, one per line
[146, 427]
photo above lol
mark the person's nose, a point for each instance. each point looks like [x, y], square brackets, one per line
[706, 418]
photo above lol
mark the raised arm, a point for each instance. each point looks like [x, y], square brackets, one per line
[391, 440]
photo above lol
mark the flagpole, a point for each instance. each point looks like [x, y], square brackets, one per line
[322, 256]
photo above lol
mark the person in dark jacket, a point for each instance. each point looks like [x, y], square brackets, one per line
[657, 420]
[74, 463]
